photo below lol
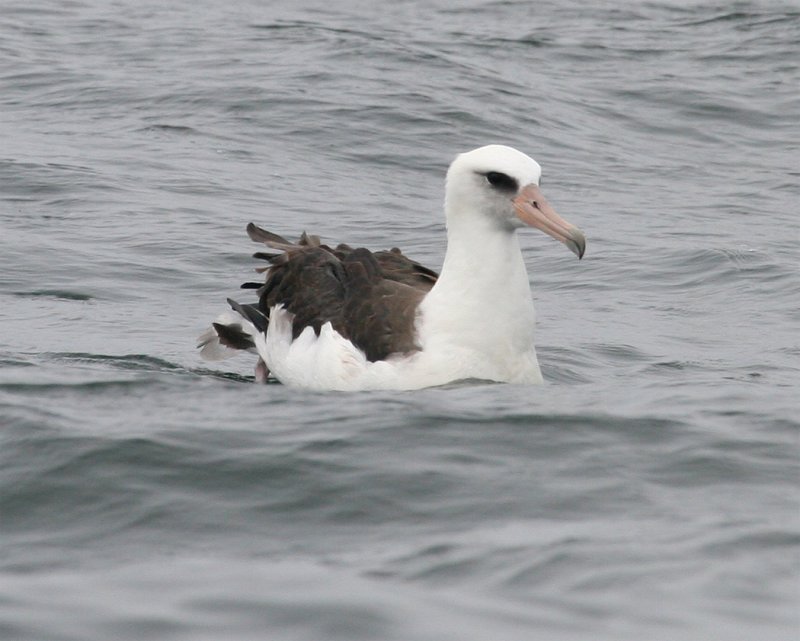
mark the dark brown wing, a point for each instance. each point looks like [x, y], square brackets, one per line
[378, 313]
[310, 283]
[397, 267]
[369, 298]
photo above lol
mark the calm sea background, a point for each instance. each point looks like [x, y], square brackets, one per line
[650, 490]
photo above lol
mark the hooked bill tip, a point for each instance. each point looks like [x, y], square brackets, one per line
[576, 241]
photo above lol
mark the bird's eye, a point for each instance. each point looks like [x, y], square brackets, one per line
[501, 181]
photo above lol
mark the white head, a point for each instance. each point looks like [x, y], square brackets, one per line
[499, 186]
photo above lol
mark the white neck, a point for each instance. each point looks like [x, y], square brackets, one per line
[481, 307]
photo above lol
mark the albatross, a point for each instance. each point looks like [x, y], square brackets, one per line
[339, 318]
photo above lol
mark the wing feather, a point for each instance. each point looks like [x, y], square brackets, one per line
[369, 298]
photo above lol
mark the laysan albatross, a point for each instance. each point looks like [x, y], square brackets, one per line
[350, 319]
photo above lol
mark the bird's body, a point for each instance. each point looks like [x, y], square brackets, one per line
[350, 319]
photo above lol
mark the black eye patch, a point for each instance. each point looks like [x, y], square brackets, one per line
[502, 181]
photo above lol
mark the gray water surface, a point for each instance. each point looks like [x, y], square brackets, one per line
[648, 491]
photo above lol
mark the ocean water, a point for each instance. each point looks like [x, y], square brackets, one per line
[649, 490]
